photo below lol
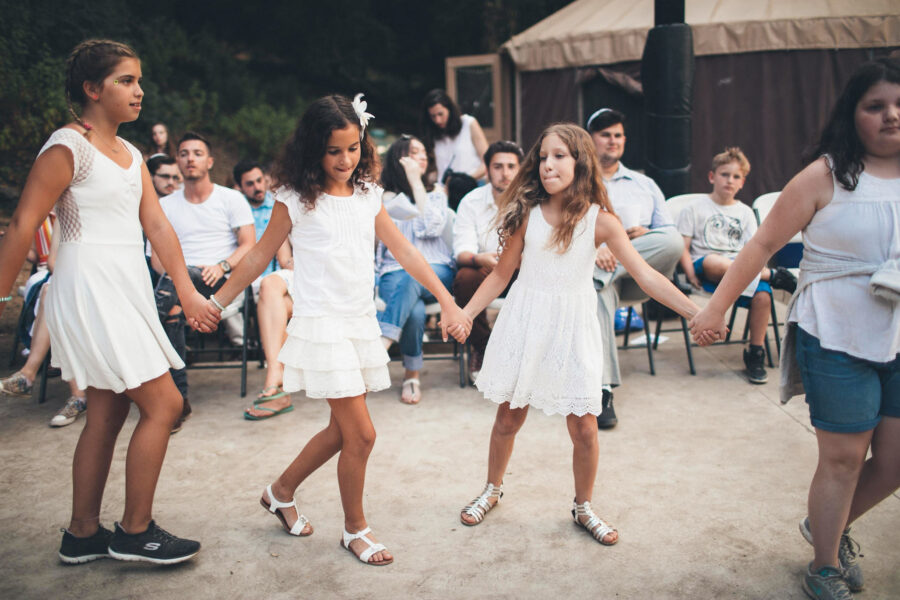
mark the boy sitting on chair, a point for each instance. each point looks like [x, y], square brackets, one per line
[714, 230]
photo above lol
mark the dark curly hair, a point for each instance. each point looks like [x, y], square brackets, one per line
[839, 140]
[300, 165]
[393, 175]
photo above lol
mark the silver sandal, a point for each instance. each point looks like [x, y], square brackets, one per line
[597, 527]
[480, 506]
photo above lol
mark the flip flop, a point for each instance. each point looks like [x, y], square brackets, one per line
[264, 397]
[274, 412]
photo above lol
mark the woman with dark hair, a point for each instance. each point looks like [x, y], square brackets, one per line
[160, 143]
[456, 141]
[420, 211]
[847, 203]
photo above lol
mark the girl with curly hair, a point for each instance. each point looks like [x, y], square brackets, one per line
[546, 347]
[328, 202]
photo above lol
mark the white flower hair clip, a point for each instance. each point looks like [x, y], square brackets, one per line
[359, 107]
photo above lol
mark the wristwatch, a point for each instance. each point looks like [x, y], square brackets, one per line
[226, 266]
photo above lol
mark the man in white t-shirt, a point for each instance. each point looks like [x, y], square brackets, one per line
[641, 206]
[475, 241]
[214, 226]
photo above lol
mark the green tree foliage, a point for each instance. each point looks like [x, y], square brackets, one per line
[240, 71]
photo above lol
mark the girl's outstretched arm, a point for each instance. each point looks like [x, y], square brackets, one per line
[259, 256]
[166, 247]
[809, 191]
[608, 229]
[414, 263]
[499, 278]
[51, 174]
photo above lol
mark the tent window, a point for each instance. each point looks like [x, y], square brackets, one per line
[475, 92]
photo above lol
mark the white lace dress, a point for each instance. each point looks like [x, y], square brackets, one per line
[545, 349]
[104, 328]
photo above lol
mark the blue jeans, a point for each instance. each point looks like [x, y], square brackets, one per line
[404, 318]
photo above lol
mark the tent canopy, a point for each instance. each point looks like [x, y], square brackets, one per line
[592, 32]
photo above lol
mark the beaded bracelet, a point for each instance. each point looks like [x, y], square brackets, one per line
[5, 298]
[216, 303]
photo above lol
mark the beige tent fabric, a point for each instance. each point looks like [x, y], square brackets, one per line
[592, 32]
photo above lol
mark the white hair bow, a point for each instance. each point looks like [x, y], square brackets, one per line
[359, 106]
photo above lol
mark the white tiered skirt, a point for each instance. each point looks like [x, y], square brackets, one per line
[334, 356]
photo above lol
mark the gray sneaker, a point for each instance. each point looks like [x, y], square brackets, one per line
[68, 413]
[826, 584]
[16, 385]
[848, 551]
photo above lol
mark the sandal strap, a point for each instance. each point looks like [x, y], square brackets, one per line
[300, 524]
[366, 554]
[275, 503]
[480, 506]
[597, 527]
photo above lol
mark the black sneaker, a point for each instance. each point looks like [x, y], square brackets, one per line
[156, 545]
[782, 279]
[76, 550]
[607, 418]
[754, 359]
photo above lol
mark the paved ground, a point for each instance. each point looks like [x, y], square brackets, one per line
[705, 477]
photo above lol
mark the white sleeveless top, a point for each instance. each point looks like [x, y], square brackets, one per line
[458, 153]
[863, 226]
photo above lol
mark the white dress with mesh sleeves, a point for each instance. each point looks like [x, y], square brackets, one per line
[104, 329]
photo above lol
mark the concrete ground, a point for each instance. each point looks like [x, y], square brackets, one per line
[705, 477]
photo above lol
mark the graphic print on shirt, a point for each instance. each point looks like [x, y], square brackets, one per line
[722, 233]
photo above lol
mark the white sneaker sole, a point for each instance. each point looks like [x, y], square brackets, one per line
[78, 560]
[156, 561]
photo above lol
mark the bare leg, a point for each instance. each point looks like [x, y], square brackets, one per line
[585, 458]
[273, 312]
[507, 424]
[40, 342]
[93, 455]
[880, 474]
[714, 267]
[160, 404]
[831, 492]
[760, 307]
[74, 391]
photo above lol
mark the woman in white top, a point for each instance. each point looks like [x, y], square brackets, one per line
[456, 140]
[843, 334]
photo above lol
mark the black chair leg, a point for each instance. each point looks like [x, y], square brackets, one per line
[731, 322]
[687, 345]
[775, 329]
[42, 375]
[646, 337]
[627, 326]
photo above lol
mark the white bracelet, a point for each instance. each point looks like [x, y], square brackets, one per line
[216, 303]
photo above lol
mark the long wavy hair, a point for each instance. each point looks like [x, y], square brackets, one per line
[393, 175]
[526, 191]
[431, 132]
[300, 165]
[839, 140]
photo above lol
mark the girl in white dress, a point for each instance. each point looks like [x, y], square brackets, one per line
[104, 330]
[332, 209]
[842, 341]
[546, 347]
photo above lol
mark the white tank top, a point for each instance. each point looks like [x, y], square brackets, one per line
[458, 153]
[862, 225]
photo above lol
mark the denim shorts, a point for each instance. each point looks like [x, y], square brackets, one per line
[846, 394]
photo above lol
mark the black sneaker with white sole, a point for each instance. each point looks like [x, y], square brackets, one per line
[77, 550]
[156, 545]
[754, 361]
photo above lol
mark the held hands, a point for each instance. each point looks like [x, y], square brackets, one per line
[708, 327]
[198, 314]
[212, 274]
[456, 322]
[605, 259]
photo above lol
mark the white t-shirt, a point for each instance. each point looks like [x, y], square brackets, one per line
[207, 231]
[716, 228]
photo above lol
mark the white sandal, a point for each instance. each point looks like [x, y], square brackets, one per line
[596, 526]
[274, 507]
[414, 387]
[366, 554]
[480, 506]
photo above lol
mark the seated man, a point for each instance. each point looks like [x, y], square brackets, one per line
[475, 242]
[164, 174]
[715, 229]
[272, 289]
[641, 206]
[215, 229]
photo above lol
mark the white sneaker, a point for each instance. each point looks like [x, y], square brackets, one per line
[68, 413]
